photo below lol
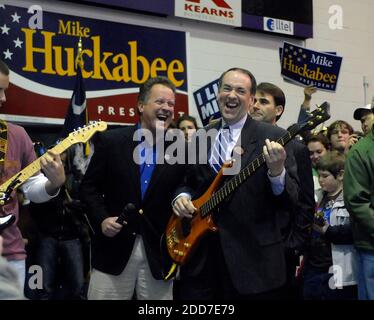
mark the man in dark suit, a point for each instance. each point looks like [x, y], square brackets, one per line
[245, 258]
[296, 222]
[126, 169]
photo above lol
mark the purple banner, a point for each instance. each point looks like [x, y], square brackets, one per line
[163, 7]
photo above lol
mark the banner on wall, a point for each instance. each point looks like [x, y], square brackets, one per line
[217, 11]
[206, 102]
[308, 67]
[40, 49]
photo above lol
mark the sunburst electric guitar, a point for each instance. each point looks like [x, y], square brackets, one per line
[182, 241]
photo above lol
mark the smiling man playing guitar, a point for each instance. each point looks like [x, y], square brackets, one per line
[16, 152]
[245, 258]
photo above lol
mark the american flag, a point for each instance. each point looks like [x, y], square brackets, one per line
[11, 36]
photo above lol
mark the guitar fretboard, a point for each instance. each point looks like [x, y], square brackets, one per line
[19, 178]
[230, 186]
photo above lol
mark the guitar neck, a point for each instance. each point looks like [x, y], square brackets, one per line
[230, 186]
[19, 178]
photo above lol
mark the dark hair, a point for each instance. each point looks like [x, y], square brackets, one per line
[146, 87]
[338, 124]
[186, 117]
[275, 92]
[245, 71]
[4, 68]
[320, 137]
[332, 161]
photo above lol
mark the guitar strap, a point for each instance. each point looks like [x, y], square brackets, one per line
[3, 141]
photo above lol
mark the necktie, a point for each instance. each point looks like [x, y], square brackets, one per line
[218, 155]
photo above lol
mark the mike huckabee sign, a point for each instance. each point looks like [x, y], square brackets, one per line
[308, 67]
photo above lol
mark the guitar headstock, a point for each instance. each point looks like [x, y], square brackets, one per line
[85, 133]
[316, 117]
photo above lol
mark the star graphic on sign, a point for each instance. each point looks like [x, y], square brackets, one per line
[8, 54]
[304, 56]
[298, 59]
[15, 17]
[4, 29]
[295, 53]
[18, 43]
[300, 50]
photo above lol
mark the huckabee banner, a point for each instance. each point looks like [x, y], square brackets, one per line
[206, 102]
[308, 67]
[40, 48]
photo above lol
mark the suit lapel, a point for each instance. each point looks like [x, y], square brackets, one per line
[248, 141]
[129, 145]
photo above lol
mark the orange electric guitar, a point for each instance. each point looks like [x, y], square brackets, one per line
[181, 241]
[77, 136]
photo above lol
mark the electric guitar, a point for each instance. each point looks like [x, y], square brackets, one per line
[182, 240]
[77, 136]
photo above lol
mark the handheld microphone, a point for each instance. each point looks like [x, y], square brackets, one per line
[128, 211]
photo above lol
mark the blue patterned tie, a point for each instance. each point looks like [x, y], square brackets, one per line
[218, 155]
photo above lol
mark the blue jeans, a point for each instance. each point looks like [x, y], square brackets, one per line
[65, 256]
[365, 275]
[316, 286]
[20, 267]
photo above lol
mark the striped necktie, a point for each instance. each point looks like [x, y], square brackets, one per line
[218, 155]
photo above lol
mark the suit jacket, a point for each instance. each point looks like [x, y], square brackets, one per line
[112, 180]
[296, 221]
[249, 231]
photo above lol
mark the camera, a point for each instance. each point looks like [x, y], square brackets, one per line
[319, 218]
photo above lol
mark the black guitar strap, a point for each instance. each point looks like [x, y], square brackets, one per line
[3, 141]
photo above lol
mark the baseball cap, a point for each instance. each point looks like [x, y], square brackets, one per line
[359, 112]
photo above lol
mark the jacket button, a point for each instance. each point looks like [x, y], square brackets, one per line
[141, 211]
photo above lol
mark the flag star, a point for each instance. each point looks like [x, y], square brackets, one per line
[18, 43]
[8, 54]
[15, 17]
[295, 53]
[4, 29]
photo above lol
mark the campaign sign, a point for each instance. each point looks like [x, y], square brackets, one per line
[206, 102]
[40, 49]
[308, 67]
